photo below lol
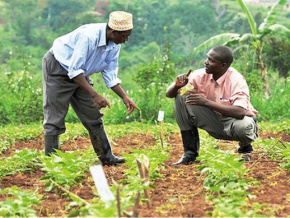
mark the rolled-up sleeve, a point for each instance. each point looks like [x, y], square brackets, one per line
[110, 73]
[79, 57]
[240, 95]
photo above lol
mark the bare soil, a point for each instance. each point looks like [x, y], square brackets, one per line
[179, 193]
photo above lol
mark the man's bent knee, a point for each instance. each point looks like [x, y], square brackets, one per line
[245, 130]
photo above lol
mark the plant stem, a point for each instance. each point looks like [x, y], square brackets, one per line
[70, 193]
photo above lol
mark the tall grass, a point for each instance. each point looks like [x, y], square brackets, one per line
[273, 109]
[21, 96]
[276, 107]
[149, 105]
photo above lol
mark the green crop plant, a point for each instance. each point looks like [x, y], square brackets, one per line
[277, 149]
[66, 169]
[5, 143]
[286, 157]
[18, 203]
[132, 183]
[21, 161]
[95, 209]
[280, 127]
[228, 206]
[156, 156]
[225, 182]
[11, 133]
[118, 130]
[129, 186]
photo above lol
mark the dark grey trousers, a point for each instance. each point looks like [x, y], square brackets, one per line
[58, 92]
[220, 127]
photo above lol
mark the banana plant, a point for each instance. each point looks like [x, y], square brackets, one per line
[256, 39]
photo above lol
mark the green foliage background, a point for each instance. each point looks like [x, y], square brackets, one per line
[160, 48]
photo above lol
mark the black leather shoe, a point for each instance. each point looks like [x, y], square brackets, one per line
[112, 160]
[187, 159]
[245, 149]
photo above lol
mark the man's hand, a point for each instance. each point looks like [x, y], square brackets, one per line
[196, 99]
[130, 105]
[225, 110]
[182, 80]
[101, 102]
[127, 101]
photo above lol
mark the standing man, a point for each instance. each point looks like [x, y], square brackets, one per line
[89, 49]
[219, 103]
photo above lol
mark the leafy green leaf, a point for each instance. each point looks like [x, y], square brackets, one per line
[186, 89]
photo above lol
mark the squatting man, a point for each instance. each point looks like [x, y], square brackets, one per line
[219, 103]
[73, 57]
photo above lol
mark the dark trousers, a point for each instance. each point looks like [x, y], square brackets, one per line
[59, 91]
[220, 127]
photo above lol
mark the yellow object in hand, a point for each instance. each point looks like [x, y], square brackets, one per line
[185, 89]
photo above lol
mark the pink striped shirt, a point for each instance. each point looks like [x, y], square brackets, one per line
[230, 89]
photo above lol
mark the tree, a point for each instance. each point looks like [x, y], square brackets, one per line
[60, 14]
[257, 39]
[22, 18]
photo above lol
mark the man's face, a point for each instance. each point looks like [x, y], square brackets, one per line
[213, 64]
[121, 37]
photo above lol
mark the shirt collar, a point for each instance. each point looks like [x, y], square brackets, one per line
[220, 80]
[103, 39]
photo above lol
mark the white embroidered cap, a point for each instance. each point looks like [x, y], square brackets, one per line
[121, 21]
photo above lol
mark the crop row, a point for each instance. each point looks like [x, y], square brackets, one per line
[226, 182]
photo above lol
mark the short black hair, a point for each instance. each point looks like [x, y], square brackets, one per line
[225, 54]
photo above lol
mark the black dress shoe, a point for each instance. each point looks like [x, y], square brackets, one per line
[187, 159]
[245, 149]
[112, 160]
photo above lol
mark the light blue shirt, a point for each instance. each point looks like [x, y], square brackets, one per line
[84, 50]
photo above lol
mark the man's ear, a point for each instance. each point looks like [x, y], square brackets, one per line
[112, 34]
[114, 31]
[225, 65]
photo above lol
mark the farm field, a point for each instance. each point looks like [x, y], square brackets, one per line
[163, 44]
[217, 185]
